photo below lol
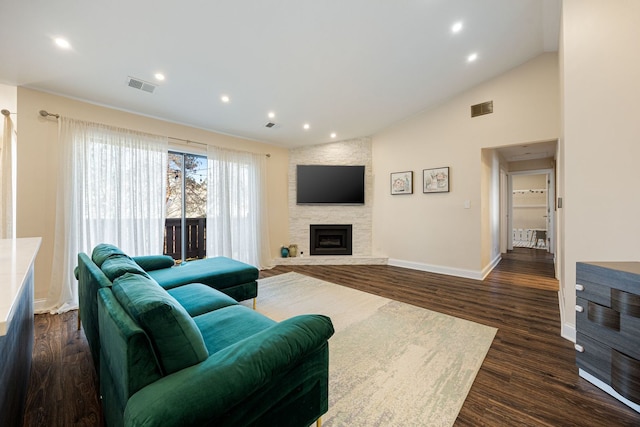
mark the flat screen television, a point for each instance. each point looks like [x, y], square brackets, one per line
[330, 185]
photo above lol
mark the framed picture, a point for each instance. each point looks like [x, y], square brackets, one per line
[402, 182]
[435, 180]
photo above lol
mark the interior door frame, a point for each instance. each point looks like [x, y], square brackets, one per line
[551, 211]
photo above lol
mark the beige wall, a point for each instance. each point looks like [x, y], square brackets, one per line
[601, 138]
[434, 231]
[38, 162]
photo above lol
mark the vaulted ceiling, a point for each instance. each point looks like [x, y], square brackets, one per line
[344, 67]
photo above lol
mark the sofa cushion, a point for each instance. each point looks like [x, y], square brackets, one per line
[154, 262]
[219, 272]
[175, 336]
[103, 251]
[198, 299]
[226, 326]
[117, 265]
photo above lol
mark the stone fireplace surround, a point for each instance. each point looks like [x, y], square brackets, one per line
[349, 152]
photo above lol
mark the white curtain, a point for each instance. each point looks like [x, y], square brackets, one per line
[237, 224]
[111, 190]
[7, 180]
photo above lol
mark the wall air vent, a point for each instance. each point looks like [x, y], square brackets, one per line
[482, 109]
[140, 84]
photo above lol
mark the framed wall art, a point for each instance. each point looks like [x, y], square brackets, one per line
[402, 182]
[435, 180]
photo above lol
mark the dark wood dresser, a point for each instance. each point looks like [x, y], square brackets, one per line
[608, 327]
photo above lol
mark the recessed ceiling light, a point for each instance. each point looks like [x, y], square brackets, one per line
[457, 27]
[271, 114]
[472, 57]
[333, 135]
[225, 99]
[62, 43]
[159, 76]
[306, 126]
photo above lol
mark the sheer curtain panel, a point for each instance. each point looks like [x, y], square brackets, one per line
[7, 180]
[237, 224]
[111, 190]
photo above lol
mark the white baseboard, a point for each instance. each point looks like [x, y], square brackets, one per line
[568, 332]
[330, 260]
[489, 268]
[372, 260]
[449, 271]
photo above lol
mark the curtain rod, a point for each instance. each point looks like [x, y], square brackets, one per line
[6, 112]
[45, 113]
[188, 141]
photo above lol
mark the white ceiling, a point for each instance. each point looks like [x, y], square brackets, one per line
[533, 151]
[352, 67]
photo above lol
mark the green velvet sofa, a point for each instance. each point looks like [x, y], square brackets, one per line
[234, 278]
[193, 356]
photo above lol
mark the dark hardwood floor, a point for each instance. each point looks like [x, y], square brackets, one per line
[528, 378]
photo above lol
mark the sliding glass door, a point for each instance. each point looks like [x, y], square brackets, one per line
[186, 206]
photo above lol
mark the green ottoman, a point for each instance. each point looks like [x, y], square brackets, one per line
[234, 278]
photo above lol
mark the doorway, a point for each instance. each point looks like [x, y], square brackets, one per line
[532, 210]
[538, 158]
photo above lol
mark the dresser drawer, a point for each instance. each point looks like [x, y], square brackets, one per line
[594, 281]
[614, 329]
[625, 375]
[593, 357]
[599, 294]
[609, 366]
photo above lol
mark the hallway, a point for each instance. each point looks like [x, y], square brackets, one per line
[528, 267]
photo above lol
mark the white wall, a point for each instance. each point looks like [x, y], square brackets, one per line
[38, 163]
[601, 138]
[490, 209]
[434, 231]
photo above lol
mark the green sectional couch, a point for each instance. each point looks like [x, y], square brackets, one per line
[234, 278]
[193, 356]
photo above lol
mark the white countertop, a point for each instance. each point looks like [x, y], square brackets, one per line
[16, 258]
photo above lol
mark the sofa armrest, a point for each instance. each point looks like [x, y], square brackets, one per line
[203, 393]
[154, 262]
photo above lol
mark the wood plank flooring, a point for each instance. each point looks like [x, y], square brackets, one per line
[528, 378]
[62, 388]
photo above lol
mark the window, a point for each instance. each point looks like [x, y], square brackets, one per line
[186, 206]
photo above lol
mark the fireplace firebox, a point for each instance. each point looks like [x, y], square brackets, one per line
[330, 239]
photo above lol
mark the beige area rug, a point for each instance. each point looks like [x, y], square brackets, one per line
[390, 364]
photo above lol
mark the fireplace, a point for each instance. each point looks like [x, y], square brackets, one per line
[330, 239]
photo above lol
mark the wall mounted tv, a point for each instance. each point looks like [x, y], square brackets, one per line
[330, 185]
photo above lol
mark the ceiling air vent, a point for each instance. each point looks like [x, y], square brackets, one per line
[482, 109]
[140, 84]
[270, 125]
